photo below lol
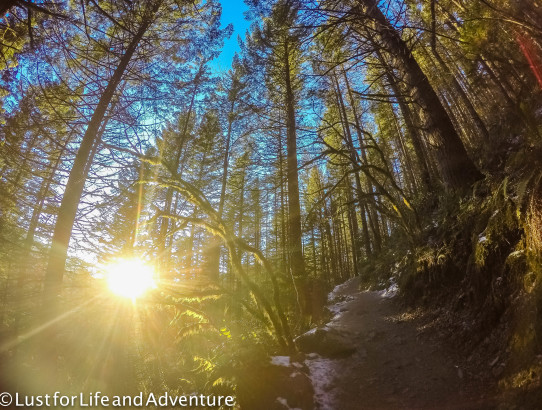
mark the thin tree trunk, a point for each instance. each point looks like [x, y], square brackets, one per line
[26, 256]
[214, 247]
[241, 206]
[413, 133]
[283, 226]
[314, 259]
[367, 204]
[463, 97]
[354, 229]
[257, 220]
[406, 160]
[297, 263]
[163, 250]
[78, 176]
[354, 157]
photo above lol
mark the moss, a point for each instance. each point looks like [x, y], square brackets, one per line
[522, 378]
[530, 281]
[481, 251]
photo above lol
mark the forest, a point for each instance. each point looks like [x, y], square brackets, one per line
[171, 225]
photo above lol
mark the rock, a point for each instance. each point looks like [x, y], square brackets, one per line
[326, 342]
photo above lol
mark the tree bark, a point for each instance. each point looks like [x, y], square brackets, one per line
[456, 168]
[297, 264]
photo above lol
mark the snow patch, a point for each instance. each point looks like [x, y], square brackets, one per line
[351, 287]
[280, 361]
[338, 308]
[321, 370]
[342, 295]
[284, 402]
[390, 291]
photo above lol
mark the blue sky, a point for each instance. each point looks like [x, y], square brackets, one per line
[232, 12]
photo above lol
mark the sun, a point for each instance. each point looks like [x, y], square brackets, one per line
[130, 278]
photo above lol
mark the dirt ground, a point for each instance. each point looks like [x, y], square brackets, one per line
[396, 365]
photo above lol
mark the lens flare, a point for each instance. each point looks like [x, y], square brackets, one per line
[130, 278]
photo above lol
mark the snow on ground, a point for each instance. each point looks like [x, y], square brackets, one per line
[322, 369]
[322, 380]
[285, 361]
[349, 287]
[390, 291]
[284, 402]
[280, 361]
[341, 295]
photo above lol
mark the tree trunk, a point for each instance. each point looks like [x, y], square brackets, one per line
[368, 205]
[256, 203]
[409, 180]
[354, 231]
[297, 264]
[285, 258]
[78, 175]
[455, 84]
[26, 257]
[163, 249]
[354, 158]
[214, 246]
[456, 168]
[413, 133]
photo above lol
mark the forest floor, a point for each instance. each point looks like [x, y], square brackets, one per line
[398, 362]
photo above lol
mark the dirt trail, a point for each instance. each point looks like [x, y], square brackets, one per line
[395, 366]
